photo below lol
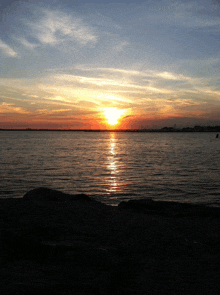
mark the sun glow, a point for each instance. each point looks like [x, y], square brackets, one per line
[113, 115]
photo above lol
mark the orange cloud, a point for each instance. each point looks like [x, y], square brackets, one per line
[11, 108]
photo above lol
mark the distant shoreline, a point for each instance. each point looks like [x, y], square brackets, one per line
[164, 129]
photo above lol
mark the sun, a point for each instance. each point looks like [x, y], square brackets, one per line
[113, 115]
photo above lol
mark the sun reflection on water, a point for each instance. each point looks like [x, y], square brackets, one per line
[112, 165]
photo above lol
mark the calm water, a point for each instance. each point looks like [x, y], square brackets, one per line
[112, 166]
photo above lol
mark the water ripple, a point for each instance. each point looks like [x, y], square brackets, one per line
[112, 166]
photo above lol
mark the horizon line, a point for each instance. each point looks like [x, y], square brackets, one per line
[196, 128]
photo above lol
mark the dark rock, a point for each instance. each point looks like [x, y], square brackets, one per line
[87, 248]
[47, 194]
[79, 197]
[136, 204]
[144, 206]
[148, 206]
[22, 247]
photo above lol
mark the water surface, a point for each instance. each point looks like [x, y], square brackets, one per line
[112, 166]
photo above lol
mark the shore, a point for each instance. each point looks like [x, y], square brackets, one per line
[55, 243]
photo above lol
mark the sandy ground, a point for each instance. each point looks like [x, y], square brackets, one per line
[52, 243]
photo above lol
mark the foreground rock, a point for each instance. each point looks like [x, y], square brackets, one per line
[46, 194]
[55, 243]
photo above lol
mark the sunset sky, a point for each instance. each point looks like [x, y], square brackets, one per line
[101, 64]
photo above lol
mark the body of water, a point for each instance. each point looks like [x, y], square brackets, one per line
[111, 166]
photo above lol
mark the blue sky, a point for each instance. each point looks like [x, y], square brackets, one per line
[63, 63]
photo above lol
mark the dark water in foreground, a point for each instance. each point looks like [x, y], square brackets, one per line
[112, 167]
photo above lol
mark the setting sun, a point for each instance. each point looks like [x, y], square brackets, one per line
[112, 115]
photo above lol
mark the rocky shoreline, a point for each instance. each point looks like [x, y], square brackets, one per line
[55, 243]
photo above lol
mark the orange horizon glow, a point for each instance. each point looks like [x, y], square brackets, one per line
[106, 118]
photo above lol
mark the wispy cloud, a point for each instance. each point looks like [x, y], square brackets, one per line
[138, 73]
[52, 112]
[55, 27]
[120, 46]
[7, 50]
[26, 43]
[196, 14]
[11, 108]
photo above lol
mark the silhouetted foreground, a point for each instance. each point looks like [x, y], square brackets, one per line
[55, 243]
